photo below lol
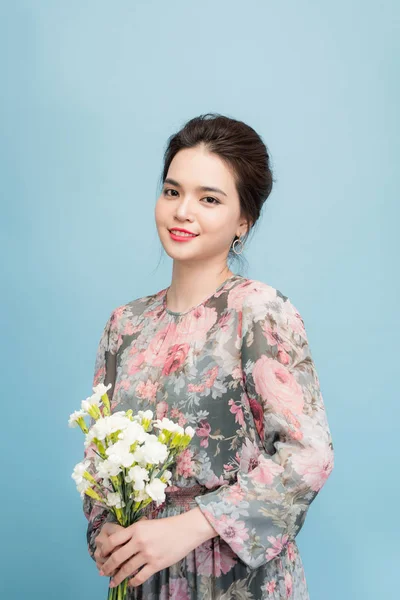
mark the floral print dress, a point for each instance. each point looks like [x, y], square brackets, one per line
[238, 369]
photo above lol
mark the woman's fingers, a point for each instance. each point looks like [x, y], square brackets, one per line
[118, 557]
[118, 538]
[142, 576]
[128, 569]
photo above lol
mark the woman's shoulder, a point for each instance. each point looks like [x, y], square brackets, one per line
[136, 307]
[261, 300]
[255, 292]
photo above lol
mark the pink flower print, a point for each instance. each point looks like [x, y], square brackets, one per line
[205, 558]
[116, 328]
[147, 390]
[258, 294]
[178, 589]
[258, 416]
[196, 387]
[295, 321]
[135, 361]
[270, 334]
[291, 552]
[99, 376]
[266, 471]
[225, 321]
[237, 372]
[288, 584]
[277, 385]
[195, 325]
[231, 531]
[237, 410]
[175, 359]
[294, 425]
[161, 409]
[175, 413]
[228, 467]
[273, 337]
[184, 465]
[182, 420]
[278, 543]
[314, 464]
[234, 494]
[159, 344]
[213, 481]
[123, 384]
[283, 357]
[204, 431]
[270, 587]
[129, 328]
[249, 455]
[212, 559]
[211, 376]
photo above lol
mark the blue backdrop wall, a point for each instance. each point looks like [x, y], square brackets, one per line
[90, 93]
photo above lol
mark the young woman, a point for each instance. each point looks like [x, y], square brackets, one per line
[229, 356]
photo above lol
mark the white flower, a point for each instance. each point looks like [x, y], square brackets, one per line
[138, 476]
[141, 495]
[167, 475]
[110, 424]
[79, 470]
[189, 431]
[81, 487]
[93, 400]
[114, 499]
[155, 490]
[101, 389]
[106, 426]
[107, 468]
[120, 455]
[152, 452]
[143, 414]
[73, 419]
[168, 425]
[132, 433]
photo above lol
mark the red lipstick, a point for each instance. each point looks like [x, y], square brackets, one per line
[181, 238]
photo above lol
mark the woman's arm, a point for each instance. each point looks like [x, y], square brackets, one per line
[104, 372]
[266, 508]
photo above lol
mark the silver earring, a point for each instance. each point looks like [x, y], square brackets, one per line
[233, 246]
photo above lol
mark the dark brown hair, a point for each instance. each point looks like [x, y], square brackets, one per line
[241, 148]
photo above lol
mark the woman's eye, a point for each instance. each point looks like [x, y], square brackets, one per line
[206, 197]
[168, 190]
[212, 198]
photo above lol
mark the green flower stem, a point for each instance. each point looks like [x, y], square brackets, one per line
[120, 592]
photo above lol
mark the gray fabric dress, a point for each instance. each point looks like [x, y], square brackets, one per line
[238, 369]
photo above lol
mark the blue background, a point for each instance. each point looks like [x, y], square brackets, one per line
[90, 93]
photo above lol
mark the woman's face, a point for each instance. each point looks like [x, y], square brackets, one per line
[212, 214]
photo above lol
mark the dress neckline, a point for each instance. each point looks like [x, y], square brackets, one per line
[180, 314]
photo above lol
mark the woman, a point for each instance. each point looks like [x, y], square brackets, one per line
[229, 356]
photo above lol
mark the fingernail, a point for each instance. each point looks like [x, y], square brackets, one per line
[112, 584]
[101, 572]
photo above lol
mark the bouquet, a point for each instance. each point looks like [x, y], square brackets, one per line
[126, 463]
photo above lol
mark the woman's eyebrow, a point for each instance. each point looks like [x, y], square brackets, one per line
[202, 188]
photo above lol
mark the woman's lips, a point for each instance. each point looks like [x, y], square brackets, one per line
[182, 238]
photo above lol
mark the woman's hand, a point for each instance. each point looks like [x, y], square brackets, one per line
[153, 544]
[101, 540]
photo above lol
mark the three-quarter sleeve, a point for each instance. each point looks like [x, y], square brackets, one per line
[266, 507]
[104, 372]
